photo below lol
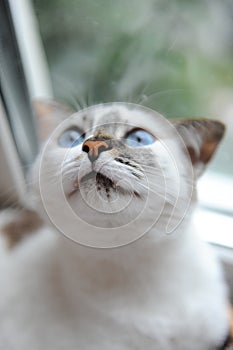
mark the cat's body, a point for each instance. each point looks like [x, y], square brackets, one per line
[163, 297]
[161, 292]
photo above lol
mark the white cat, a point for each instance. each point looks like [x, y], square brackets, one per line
[115, 176]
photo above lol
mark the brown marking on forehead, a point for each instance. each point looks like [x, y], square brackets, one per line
[101, 134]
[110, 130]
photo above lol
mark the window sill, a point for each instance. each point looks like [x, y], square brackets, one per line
[214, 227]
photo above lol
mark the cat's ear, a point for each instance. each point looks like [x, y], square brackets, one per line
[201, 137]
[49, 115]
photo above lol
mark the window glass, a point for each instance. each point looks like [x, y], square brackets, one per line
[173, 56]
[14, 93]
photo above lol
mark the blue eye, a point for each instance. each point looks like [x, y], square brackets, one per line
[139, 138]
[71, 138]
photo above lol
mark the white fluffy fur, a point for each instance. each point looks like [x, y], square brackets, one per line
[58, 295]
[160, 294]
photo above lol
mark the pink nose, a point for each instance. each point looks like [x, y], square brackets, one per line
[94, 147]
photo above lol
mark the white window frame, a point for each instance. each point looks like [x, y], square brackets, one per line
[31, 49]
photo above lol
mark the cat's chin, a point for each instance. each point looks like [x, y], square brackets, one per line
[102, 184]
[104, 201]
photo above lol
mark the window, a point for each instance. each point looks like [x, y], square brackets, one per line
[175, 57]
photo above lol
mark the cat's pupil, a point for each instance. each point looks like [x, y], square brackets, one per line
[139, 138]
[72, 138]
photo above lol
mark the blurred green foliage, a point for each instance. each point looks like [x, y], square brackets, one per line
[169, 55]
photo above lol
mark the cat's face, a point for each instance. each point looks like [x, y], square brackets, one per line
[116, 167]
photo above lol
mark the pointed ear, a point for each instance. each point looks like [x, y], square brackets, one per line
[49, 115]
[201, 137]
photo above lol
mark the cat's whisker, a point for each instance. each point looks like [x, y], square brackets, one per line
[82, 102]
[142, 165]
[76, 103]
[156, 94]
[142, 94]
[70, 171]
[64, 85]
[85, 98]
[153, 173]
[158, 192]
[70, 165]
[90, 99]
[49, 175]
[129, 97]
[153, 167]
[70, 160]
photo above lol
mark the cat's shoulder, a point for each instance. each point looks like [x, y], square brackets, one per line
[25, 266]
[32, 298]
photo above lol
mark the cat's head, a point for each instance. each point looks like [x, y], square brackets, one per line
[108, 174]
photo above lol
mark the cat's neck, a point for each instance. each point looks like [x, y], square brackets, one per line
[133, 269]
[133, 259]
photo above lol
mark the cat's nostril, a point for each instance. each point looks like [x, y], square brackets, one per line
[94, 147]
[85, 148]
